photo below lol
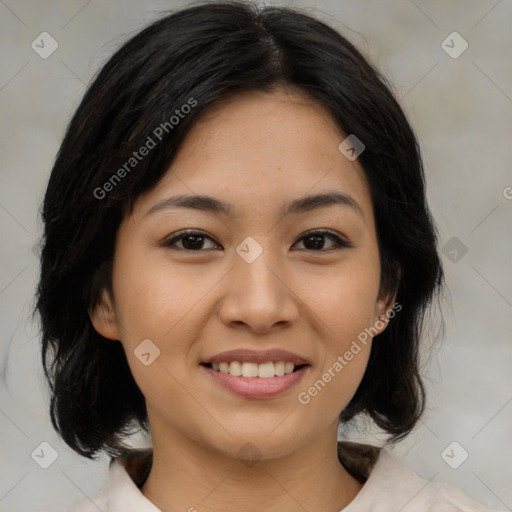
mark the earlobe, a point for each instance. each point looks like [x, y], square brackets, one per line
[385, 310]
[103, 317]
[386, 305]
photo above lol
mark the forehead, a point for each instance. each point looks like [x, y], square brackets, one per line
[258, 149]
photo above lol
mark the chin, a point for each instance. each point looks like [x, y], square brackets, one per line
[252, 444]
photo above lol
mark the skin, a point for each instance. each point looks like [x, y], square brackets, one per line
[257, 151]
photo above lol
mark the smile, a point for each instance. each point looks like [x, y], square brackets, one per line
[256, 373]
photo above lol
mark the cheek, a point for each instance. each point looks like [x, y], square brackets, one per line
[154, 295]
[345, 297]
[323, 398]
[347, 311]
[153, 299]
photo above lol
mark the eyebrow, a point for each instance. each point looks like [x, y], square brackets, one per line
[301, 205]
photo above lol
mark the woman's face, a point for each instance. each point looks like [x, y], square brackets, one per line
[255, 277]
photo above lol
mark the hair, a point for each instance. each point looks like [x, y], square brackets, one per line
[200, 55]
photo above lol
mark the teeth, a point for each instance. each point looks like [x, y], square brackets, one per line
[263, 371]
[235, 368]
[279, 368]
[249, 370]
[266, 370]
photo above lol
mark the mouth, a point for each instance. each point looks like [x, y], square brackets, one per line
[254, 374]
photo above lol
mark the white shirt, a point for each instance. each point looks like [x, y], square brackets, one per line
[389, 485]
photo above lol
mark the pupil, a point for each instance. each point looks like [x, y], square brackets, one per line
[194, 246]
[319, 241]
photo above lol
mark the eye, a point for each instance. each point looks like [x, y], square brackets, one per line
[316, 243]
[191, 241]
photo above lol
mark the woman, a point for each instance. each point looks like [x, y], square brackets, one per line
[238, 256]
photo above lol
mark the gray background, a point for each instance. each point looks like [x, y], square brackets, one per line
[461, 109]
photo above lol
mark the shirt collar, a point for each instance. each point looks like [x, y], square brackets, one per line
[127, 474]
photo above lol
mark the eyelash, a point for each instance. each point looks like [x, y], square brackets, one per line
[339, 242]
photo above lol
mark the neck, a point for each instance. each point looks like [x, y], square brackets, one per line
[186, 476]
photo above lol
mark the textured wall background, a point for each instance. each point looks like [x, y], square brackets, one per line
[461, 107]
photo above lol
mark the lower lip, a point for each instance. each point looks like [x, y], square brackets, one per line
[257, 387]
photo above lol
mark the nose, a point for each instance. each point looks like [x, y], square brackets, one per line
[259, 295]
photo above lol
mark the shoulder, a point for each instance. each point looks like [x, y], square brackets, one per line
[127, 473]
[415, 493]
[392, 485]
[95, 502]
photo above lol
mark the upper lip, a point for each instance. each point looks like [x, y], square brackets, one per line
[257, 356]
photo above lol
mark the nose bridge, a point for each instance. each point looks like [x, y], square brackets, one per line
[256, 294]
[256, 266]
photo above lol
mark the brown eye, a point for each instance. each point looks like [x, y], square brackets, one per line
[315, 241]
[190, 241]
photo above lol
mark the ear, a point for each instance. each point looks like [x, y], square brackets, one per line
[103, 317]
[386, 307]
